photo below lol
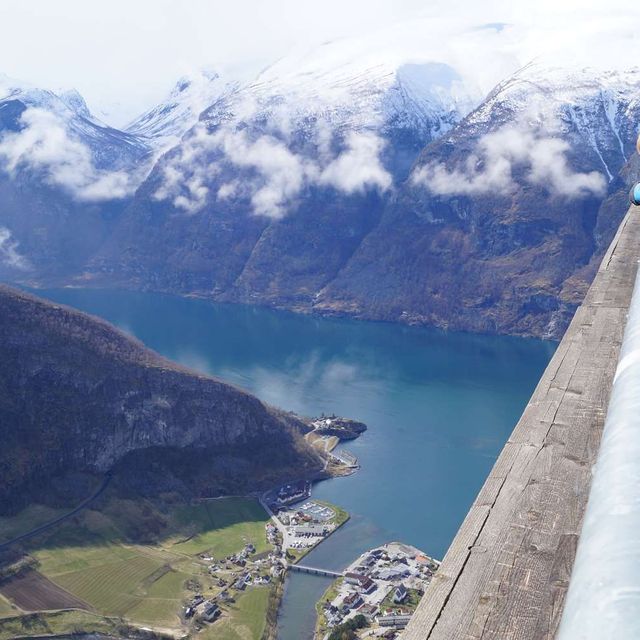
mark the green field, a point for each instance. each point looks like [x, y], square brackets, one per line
[113, 588]
[56, 623]
[162, 601]
[246, 618]
[99, 557]
[29, 518]
[222, 527]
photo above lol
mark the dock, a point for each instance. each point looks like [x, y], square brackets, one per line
[507, 571]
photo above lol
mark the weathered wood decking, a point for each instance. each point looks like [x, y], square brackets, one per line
[506, 573]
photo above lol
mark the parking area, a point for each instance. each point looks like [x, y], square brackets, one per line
[318, 512]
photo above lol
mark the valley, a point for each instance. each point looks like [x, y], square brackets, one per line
[453, 398]
[346, 190]
[139, 561]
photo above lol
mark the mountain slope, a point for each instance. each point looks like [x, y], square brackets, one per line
[269, 195]
[354, 185]
[64, 177]
[442, 242]
[78, 395]
[164, 124]
[506, 217]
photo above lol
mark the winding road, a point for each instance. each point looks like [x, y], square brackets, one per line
[52, 523]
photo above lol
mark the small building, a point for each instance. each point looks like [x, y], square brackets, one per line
[390, 574]
[400, 594]
[398, 620]
[352, 601]
[310, 530]
[241, 582]
[366, 584]
[211, 612]
[368, 611]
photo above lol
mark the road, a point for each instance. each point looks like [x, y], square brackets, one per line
[276, 521]
[59, 519]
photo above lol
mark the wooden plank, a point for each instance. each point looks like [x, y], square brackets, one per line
[506, 573]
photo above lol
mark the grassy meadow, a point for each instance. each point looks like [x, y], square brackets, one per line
[139, 561]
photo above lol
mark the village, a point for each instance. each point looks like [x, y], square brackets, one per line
[376, 595]
[296, 525]
[232, 575]
[301, 522]
[380, 591]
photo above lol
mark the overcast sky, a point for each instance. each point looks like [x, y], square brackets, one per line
[125, 55]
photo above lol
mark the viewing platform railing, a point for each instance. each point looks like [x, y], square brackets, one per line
[603, 600]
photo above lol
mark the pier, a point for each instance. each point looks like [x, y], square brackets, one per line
[315, 571]
[507, 571]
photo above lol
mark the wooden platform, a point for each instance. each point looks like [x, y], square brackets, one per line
[506, 573]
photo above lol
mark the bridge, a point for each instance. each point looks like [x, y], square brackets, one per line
[315, 571]
[526, 548]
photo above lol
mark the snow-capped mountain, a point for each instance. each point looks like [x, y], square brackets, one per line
[505, 218]
[323, 83]
[165, 123]
[316, 112]
[63, 176]
[365, 92]
[111, 148]
[358, 185]
[600, 109]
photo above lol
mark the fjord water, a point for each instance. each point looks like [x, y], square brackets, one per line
[439, 407]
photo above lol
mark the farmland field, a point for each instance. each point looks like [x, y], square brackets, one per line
[246, 619]
[222, 526]
[113, 587]
[31, 591]
[5, 608]
[135, 560]
[162, 600]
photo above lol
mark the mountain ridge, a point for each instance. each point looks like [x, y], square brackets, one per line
[80, 396]
[346, 203]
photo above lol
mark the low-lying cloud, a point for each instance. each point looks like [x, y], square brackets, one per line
[276, 175]
[359, 166]
[490, 168]
[9, 254]
[44, 144]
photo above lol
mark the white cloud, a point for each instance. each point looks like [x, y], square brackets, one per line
[279, 174]
[358, 166]
[9, 254]
[227, 190]
[44, 144]
[490, 168]
[282, 173]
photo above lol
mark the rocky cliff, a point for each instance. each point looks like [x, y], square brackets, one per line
[78, 395]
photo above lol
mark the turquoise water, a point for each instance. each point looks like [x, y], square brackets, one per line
[439, 407]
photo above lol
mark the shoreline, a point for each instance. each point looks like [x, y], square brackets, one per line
[411, 322]
[271, 630]
[381, 588]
